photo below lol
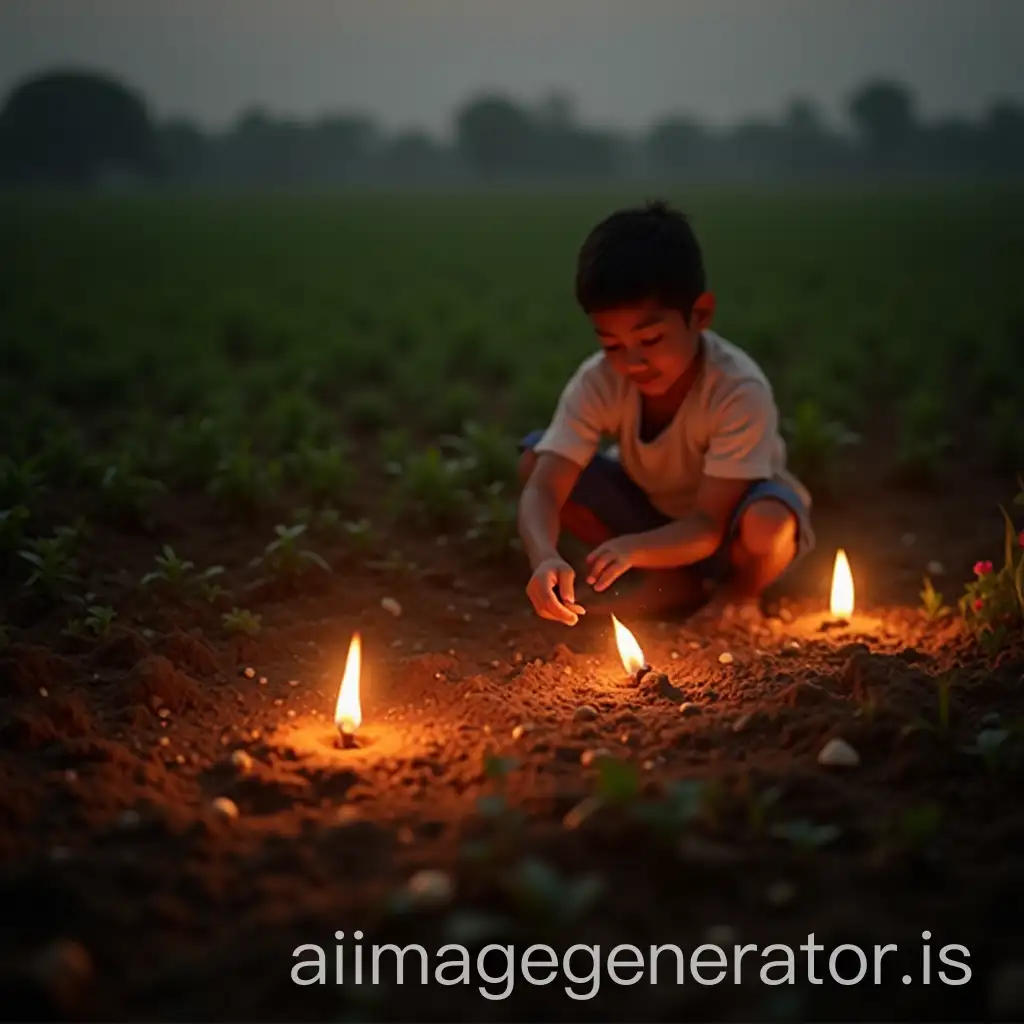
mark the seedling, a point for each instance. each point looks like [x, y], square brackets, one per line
[241, 620]
[245, 483]
[932, 602]
[322, 474]
[126, 492]
[360, 535]
[20, 482]
[54, 566]
[97, 622]
[495, 529]
[487, 457]
[177, 574]
[433, 487]
[284, 557]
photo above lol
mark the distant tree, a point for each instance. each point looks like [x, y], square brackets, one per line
[1003, 136]
[69, 127]
[678, 145]
[186, 153]
[495, 135]
[883, 115]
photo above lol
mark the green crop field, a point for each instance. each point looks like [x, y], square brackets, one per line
[315, 355]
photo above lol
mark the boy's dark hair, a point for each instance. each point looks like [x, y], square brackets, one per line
[639, 254]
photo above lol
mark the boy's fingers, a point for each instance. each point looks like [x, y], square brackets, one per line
[566, 585]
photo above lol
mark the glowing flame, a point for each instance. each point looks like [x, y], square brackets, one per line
[629, 650]
[841, 602]
[348, 715]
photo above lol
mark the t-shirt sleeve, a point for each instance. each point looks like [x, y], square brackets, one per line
[584, 414]
[743, 434]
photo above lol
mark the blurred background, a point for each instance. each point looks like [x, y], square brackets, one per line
[327, 92]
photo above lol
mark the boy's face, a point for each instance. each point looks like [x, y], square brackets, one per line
[650, 345]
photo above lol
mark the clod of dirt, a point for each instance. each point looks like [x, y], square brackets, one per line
[430, 889]
[29, 668]
[64, 970]
[191, 653]
[837, 753]
[657, 684]
[156, 677]
[804, 694]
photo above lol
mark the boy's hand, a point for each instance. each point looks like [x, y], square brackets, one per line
[560, 606]
[608, 561]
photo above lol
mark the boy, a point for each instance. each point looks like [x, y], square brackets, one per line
[697, 493]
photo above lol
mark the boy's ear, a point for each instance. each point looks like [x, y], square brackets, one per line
[703, 310]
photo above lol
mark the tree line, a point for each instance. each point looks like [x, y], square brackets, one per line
[73, 128]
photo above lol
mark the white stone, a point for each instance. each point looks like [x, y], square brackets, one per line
[226, 808]
[431, 888]
[390, 605]
[837, 753]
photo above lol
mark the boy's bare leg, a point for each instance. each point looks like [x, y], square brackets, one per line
[763, 550]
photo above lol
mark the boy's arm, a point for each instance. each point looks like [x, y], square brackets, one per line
[541, 503]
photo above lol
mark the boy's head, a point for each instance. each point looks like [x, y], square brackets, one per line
[640, 279]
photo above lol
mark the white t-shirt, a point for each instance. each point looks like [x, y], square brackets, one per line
[727, 426]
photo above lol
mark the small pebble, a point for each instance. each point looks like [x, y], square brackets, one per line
[838, 753]
[584, 713]
[249, 673]
[179, 759]
[674, 655]
[431, 888]
[241, 760]
[71, 775]
[226, 808]
[495, 663]
[520, 731]
[935, 568]
[278, 702]
[293, 683]
[741, 723]
[725, 658]
[391, 606]
[291, 712]
[588, 757]
[263, 680]
[164, 713]
[165, 741]
[405, 836]
[43, 691]
[688, 708]
[694, 645]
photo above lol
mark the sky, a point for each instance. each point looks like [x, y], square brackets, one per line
[410, 63]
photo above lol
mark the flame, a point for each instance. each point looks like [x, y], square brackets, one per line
[629, 650]
[348, 715]
[841, 602]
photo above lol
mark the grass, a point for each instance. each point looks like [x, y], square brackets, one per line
[299, 356]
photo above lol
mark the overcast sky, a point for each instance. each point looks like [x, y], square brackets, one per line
[411, 62]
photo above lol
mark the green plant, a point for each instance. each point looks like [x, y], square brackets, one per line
[924, 442]
[283, 556]
[12, 533]
[178, 574]
[486, 456]
[127, 492]
[244, 482]
[431, 487]
[54, 565]
[322, 474]
[20, 482]
[495, 524]
[992, 604]
[932, 602]
[814, 442]
[97, 622]
[241, 620]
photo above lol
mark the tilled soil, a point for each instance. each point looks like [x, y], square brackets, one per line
[176, 817]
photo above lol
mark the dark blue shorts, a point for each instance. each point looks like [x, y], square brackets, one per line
[608, 491]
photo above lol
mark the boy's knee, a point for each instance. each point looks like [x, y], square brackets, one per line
[527, 462]
[767, 527]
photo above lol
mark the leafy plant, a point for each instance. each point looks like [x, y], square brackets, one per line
[432, 487]
[322, 474]
[20, 482]
[12, 533]
[178, 574]
[283, 556]
[814, 442]
[244, 482]
[932, 602]
[486, 455]
[97, 622]
[54, 565]
[495, 524]
[127, 492]
[993, 602]
[241, 620]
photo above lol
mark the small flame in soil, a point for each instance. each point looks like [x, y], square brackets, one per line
[348, 715]
[841, 603]
[629, 650]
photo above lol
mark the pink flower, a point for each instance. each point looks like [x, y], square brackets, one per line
[978, 604]
[982, 568]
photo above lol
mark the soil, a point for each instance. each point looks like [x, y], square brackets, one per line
[131, 890]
